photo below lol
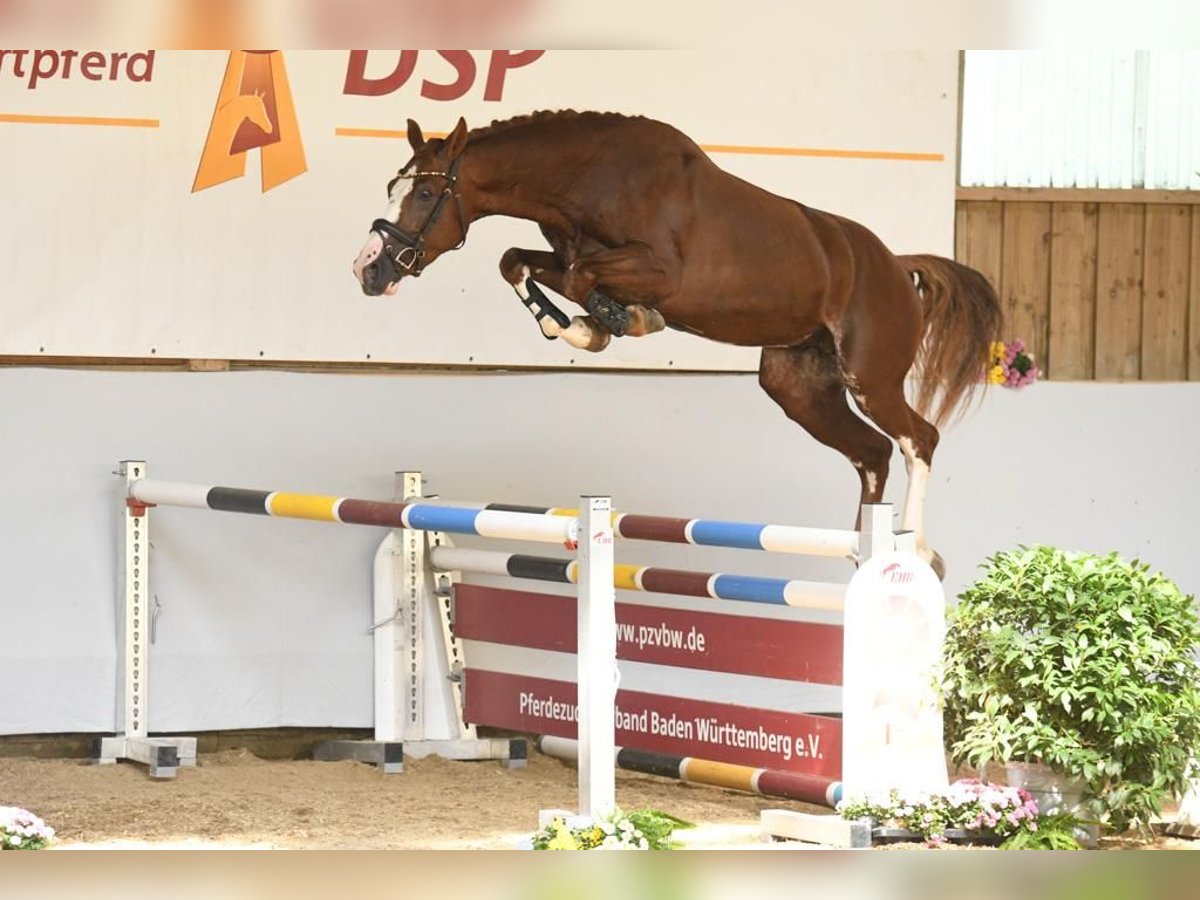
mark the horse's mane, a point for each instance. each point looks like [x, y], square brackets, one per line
[545, 116]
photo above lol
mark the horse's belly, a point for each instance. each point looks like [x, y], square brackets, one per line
[761, 322]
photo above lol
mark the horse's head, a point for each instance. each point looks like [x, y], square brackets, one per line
[256, 111]
[424, 216]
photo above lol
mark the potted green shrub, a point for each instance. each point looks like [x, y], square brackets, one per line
[1081, 664]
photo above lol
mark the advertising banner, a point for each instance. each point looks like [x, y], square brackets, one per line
[209, 204]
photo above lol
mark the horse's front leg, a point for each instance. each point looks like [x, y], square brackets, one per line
[633, 270]
[521, 269]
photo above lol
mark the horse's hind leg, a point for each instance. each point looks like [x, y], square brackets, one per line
[882, 400]
[806, 381]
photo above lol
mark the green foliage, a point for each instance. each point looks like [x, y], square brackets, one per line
[1054, 832]
[1080, 662]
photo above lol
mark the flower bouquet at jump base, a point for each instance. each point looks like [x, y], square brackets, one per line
[644, 829]
[22, 830]
[1011, 365]
[967, 812]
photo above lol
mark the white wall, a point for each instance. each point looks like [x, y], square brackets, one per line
[265, 622]
[1081, 118]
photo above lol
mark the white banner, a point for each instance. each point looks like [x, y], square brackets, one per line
[136, 223]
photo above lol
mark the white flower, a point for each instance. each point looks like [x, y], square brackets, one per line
[15, 841]
[643, 844]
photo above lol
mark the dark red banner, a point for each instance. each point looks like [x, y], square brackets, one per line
[791, 742]
[714, 642]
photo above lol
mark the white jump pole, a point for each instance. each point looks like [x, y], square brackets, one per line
[596, 658]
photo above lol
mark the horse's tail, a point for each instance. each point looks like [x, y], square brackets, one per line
[962, 320]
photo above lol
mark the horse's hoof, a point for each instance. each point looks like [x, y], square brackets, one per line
[938, 565]
[600, 340]
[645, 321]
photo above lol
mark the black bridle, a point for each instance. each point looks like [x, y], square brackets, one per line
[409, 257]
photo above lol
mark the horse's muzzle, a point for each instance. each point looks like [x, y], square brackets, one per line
[375, 269]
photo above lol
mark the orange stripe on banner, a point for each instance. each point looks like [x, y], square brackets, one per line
[817, 152]
[21, 119]
[825, 153]
[383, 133]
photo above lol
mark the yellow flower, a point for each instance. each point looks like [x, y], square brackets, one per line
[996, 375]
[999, 351]
[563, 839]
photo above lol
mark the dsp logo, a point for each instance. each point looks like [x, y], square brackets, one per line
[255, 111]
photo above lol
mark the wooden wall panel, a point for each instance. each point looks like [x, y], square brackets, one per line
[1120, 239]
[1102, 284]
[1165, 293]
[1072, 352]
[977, 232]
[1025, 279]
[1194, 301]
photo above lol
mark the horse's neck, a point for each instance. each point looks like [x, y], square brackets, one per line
[243, 103]
[512, 178]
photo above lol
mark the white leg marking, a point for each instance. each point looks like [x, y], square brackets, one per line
[870, 479]
[522, 291]
[914, 497]
[872, 482]
[549, 327]
[579, 334]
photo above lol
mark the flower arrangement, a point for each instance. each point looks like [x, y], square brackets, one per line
[22, 830]
[981, 810]
[1011, 365]
[644, 829]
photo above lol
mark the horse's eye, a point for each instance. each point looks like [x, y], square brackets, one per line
[425, 194]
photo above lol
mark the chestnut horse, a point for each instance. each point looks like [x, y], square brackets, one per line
[646, 232]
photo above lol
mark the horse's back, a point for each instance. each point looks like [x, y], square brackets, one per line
[757, 268]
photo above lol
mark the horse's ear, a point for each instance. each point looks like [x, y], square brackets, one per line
[415, 138]
[456, 143]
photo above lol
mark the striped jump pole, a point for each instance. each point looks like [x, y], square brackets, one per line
[716, 533]
[764, 782]
[490, 523]
[498, 520]
[713, 586]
